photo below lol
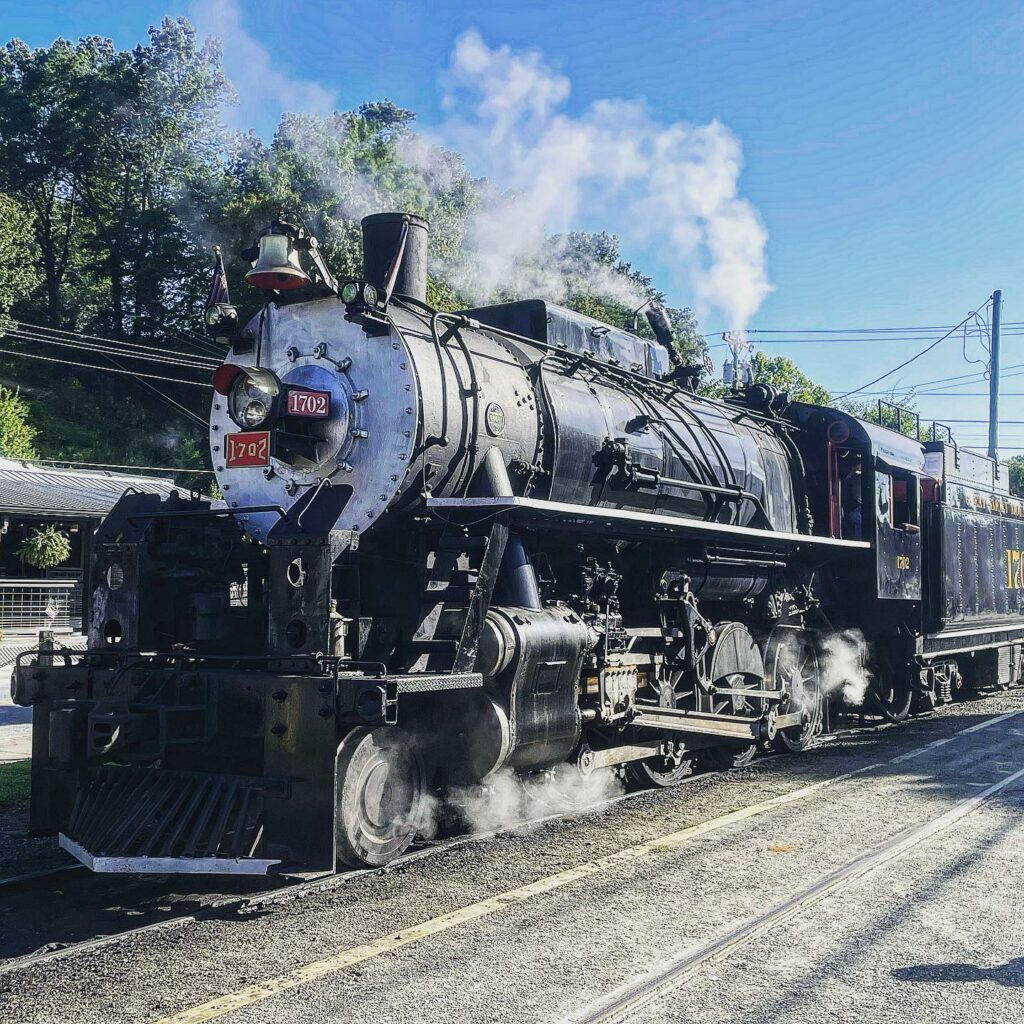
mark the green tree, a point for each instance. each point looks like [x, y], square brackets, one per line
[1016, 464]
[18, 273]
[17, 435]
[115, 155]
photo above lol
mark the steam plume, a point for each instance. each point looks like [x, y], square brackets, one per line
[674, 186]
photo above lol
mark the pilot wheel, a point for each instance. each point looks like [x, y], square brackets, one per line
[380, 796]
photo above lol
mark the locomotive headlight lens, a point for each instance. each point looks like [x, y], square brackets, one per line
[254, 414]
[356, 291]
[250, 401]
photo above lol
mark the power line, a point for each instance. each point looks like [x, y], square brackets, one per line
[110, 349]
[78, 335]
[103, 369]
[166, 399]
[863, 330]
[917, 355]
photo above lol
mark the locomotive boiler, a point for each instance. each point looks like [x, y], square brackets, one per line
[456, 543]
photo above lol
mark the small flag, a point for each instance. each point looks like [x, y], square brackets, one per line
[708, 362]
[218, 294]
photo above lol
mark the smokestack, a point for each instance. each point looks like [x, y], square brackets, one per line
[382, 238]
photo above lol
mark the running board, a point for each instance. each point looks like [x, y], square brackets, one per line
[167, 865]
[751, 730]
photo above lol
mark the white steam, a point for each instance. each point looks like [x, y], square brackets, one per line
[842, 669]
[255, 72]
[505, 799]
[844, 666]
[667, 186]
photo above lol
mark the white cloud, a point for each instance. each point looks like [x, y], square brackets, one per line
[254, 71]
[673, 187]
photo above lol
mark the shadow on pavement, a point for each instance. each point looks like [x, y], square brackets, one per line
[1009, 975]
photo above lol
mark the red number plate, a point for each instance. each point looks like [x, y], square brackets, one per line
[251, 448]
[309, 403]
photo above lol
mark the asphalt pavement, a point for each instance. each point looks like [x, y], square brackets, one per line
[544, 923]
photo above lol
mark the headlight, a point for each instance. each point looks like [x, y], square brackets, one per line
[355, 291]
[249, 403]
[254, 413]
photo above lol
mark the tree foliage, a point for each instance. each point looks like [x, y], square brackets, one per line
[1016, 464]
[117, 174]
[17, 435]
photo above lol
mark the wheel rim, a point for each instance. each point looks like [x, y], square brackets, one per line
[735, 649]
[794, 667]
[380, 797]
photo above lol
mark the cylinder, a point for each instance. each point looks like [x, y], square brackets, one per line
[382, 235]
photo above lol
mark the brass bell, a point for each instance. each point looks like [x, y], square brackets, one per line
[277, 266]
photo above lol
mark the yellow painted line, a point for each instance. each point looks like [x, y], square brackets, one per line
[357, 954]
[406, 936]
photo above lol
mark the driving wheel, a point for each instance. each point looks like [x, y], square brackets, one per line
[791, 664]
[379, 796]
[734, 664]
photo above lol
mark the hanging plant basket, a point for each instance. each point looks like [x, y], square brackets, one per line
[45, 548]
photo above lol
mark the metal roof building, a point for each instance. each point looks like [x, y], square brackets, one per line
[74, 500]
[38, 492]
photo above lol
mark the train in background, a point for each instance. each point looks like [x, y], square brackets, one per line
[506, 538]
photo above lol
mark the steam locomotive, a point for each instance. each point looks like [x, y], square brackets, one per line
[506, 538]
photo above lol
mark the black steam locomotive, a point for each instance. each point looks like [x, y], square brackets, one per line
[510, 537]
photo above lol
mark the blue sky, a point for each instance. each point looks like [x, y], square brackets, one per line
[882, 142]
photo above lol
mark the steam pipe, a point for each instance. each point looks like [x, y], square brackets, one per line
[517, 581]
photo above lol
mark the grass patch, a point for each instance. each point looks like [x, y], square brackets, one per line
[15, 781]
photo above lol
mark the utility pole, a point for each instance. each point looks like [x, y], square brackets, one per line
[993, 381]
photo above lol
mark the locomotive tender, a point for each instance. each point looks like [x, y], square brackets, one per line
[505, 538]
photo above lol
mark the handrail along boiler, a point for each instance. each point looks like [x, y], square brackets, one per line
[506, 538]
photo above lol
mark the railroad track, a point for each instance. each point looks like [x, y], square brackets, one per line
[631, 999]
[240, 905]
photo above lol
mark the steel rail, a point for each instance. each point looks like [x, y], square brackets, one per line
[623, 1003]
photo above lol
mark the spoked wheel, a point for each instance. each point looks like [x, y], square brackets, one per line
[734, 664]
[890, 695]
[380, 796]
[660, 771]
[791, 664]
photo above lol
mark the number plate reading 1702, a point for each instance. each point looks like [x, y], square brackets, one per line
[303, 402]
[251, 448]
